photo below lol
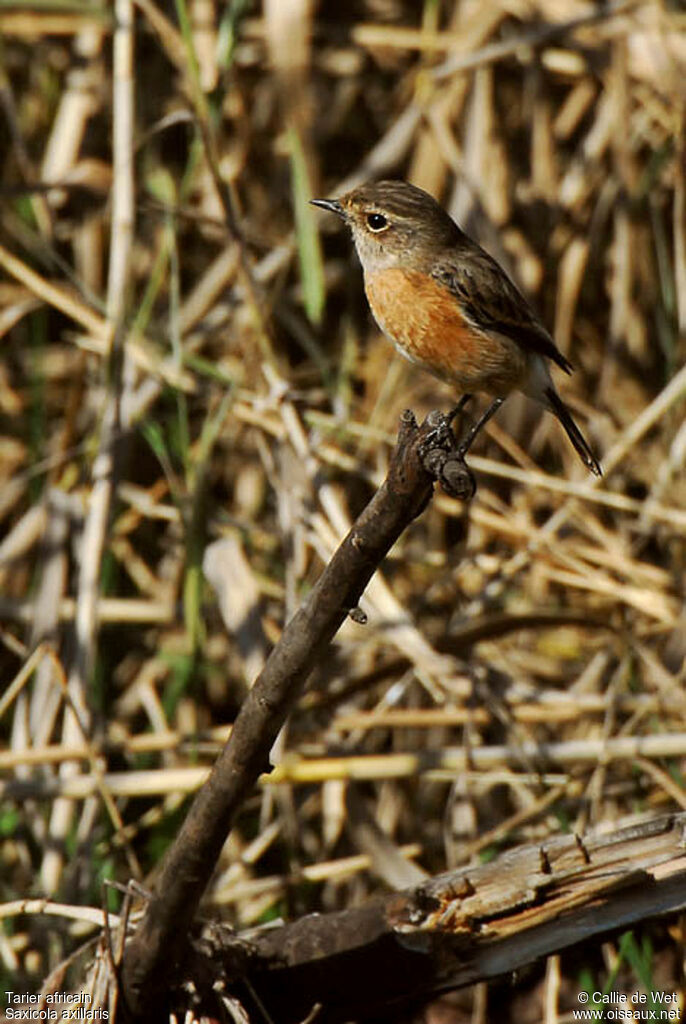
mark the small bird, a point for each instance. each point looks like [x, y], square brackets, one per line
[448, 306]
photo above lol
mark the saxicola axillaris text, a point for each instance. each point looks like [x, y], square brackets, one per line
[447, 305]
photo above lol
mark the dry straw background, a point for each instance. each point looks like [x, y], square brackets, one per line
[187, 360]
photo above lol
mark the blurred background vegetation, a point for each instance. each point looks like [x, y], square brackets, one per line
[189, 372]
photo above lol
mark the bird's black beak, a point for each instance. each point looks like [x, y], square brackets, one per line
[332, 205]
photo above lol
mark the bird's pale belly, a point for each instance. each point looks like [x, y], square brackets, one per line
[425, 322]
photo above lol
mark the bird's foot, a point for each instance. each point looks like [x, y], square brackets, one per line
[443, 459]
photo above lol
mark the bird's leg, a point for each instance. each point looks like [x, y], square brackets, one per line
[454, 413]
[466, 444]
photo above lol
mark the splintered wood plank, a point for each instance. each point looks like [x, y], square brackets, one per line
[465, 926]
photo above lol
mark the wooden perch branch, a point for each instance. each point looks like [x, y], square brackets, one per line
[453, 930]
[422, 454]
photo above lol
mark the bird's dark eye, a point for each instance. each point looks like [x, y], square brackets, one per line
[376, 221]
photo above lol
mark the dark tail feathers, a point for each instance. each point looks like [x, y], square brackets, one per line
[573, 433]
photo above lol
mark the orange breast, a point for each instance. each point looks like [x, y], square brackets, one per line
[425, 321]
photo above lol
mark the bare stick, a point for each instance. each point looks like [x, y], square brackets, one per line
[162, 936]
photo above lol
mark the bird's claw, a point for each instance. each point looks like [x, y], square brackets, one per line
[444, 461]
